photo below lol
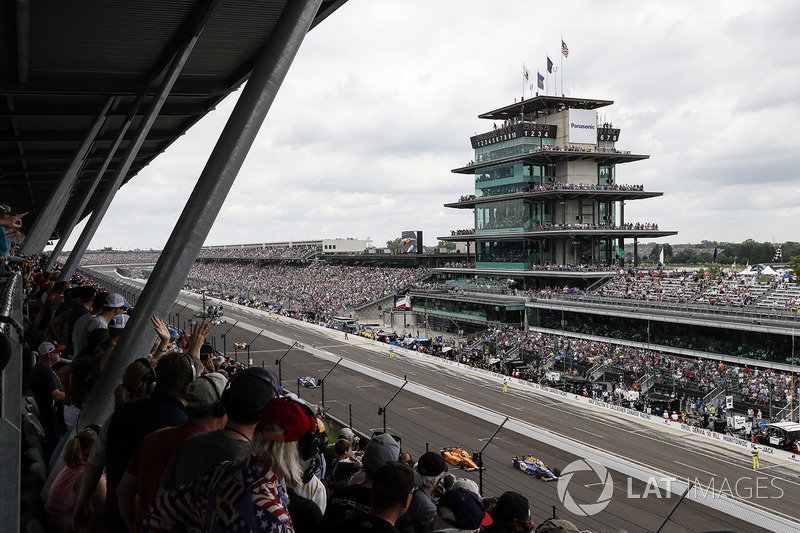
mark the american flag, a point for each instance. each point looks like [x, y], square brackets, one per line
[564, 49]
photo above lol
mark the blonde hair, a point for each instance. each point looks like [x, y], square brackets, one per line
[134, 383]
[73, 450]
[284, 454]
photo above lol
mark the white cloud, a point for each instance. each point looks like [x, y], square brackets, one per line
[383, 97]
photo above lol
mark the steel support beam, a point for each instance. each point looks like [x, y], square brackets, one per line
[50, 213]
[76, 216]
[170, 77]
[209, 194]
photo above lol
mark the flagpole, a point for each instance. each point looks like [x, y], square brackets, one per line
[562, 63]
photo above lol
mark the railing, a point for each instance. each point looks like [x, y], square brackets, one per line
[687, 307]
[647, 383]
[596, 371]
[715, 393]
[785, 413]
[11, 397]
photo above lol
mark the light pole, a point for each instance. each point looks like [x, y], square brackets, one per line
[480, 455]
[224, 339]
[178, 315]
[278, 362]
[249, 361]
[382, 410]
[322, 385]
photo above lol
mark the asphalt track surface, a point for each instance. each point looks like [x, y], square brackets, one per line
[424, 424]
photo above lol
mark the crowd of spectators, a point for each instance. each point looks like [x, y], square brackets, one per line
[625, 226]
[497, 191]
[297, 251]
[762, 387]
[455, 232]
[196, 442]
[721, 289]
[325, 289]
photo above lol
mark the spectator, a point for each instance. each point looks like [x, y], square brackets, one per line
[138, 382]
[139, 484]
[344, 464]
[243, 495]
[93, 321]
[431, 467]
[80, 303]
[555, 525]
[8, 221]
[133, 421]
[355, 498]
[511, 514]
[460, 511]
[46, 387]
[62, 493]
[247, 394]
[390, 497]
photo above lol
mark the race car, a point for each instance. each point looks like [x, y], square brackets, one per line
[307, 382]
[240, 345]
[460, 458]
[535, 467]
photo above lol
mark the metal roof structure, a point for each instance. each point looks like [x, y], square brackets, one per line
[543, 105]
[63, 63]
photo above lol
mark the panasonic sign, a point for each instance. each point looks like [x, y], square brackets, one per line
[582, 126]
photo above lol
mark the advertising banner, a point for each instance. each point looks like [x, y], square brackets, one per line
[582, 126]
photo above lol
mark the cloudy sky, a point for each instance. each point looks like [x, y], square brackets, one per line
[382, 98]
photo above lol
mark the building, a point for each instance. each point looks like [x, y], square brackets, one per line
[548, 209]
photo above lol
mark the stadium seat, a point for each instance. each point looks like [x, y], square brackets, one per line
[31, 406]
[33, 525]
[35, 455]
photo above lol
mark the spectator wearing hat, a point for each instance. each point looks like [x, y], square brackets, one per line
[62, 323]
[85, 368]
[390, 497]
[89, 333]
[464, 483]
[61, 495]
[511, 514]
[460, 511]
[356, 497]
[78, 335]
[247, 394]
[245, 495]
[431, 468]
[556, 525]
[46, 387]
[139, 485]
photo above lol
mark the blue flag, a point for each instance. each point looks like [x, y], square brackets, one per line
[541, 80]
[549, 65]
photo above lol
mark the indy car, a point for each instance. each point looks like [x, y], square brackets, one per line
[535, 467]
[307, 382]
[240, 345]
[460, 458]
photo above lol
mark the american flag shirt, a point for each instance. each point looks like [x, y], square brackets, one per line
[236, 496]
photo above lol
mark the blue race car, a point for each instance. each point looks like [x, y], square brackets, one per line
[308, 382]
[535, 467]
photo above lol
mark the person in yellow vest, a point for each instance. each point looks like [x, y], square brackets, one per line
[755, 458]
[505, 384]
[391, 352]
